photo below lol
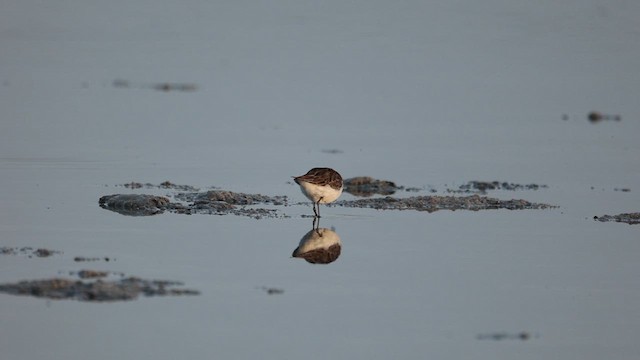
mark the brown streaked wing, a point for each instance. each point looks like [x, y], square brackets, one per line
[322, 176]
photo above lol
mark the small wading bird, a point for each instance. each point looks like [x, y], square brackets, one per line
[320, 185]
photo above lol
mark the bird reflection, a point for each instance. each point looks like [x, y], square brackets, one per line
[319, 245]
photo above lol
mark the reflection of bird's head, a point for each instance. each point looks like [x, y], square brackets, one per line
[319, 246]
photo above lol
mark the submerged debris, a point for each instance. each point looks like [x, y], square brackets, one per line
[435, 203]
[100, 290]
[629, 218]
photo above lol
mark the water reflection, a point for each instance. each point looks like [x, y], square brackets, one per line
[319, 245]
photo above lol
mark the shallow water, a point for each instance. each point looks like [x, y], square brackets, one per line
[427, 96]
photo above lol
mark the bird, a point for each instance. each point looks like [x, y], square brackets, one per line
[320, 185]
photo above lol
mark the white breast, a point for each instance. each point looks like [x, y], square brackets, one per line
[316, 192]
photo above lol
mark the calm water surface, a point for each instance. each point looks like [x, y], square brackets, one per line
[426, 95]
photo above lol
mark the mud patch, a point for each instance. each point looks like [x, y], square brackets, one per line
[272, 290]
[221, 202]
[230, 198]
[92, 274]
[134, 204]
[435, 203]
[499, 336]
[213, 202]
[90, 259]
[365, 186]
[630, 218]
[95, 291]
[481, 187]
[164, 86]
[622, 189]
[596, 117]
[332, 151]
[163, 185]
[28, 251]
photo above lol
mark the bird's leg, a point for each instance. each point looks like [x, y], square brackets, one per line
[317, 204]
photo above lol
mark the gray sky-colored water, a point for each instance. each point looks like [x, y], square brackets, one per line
[426, 94]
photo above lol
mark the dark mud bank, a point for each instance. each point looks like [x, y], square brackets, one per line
[28, 251]
[97, 291]
[435, 203]
[258, 206]
[214, 202]
[482, 187]
[134, 204]
[629, 218]
[365, 186]
[87, 284]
